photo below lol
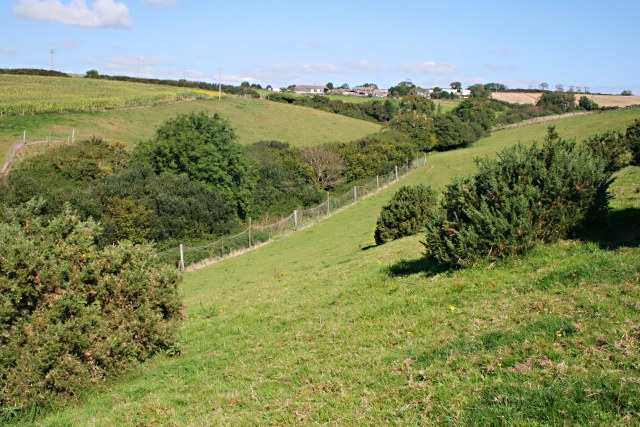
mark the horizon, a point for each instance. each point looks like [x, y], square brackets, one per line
[285, 43]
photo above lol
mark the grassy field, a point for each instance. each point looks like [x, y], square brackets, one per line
[253, 120]
[601, 100]
[24, 94]
[322, 328]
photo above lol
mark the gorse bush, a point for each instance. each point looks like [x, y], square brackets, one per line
[72, 314]
[525, 196]
[406, 214]
[633, 139]
[612, 147]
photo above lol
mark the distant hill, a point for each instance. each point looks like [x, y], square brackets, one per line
[601, 100]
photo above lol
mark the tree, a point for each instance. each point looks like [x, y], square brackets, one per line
[402, 89]
[418, 127]
[626, 93]
[245, 84]
[495, 87]
[559, 88]
[326, 162]
[557, 102]
[479, 91]
[344, 86]
[543, 86]
[587, 103]
[92, 74]
[456, 85]
[417, 104]
[329, 86]
[206, 149]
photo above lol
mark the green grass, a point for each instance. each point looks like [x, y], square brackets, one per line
[322, 328]
[253, 120]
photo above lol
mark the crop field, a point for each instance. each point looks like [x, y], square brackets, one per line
[323, 328]
[601, 100]
[35, 94]
[253, 120]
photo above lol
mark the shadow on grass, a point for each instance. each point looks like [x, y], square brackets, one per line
[621, 228]
[424, 265]
[366, 248]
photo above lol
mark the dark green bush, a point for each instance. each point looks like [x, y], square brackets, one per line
[376, 154]
[525, 196]
[72, 314]
[612, 147]
[633, 139]
[406, 214]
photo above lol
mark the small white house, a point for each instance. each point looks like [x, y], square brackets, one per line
[314, 90]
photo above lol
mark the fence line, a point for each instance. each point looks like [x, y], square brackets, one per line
[195, 257]
[23, 143]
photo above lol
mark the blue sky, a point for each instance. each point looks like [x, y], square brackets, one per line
[519, 43]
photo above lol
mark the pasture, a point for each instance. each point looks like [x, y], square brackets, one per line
[601, 100]
[323, 328]
[253, 120]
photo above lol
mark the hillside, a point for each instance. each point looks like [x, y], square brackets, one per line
[601, 100]
[253, 120]
[323, 328]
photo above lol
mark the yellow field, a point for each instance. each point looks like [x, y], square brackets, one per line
[533, 97]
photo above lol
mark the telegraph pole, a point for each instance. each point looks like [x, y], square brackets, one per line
[52, 52]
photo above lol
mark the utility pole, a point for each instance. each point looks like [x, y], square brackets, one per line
[219, 83]
[52, 52]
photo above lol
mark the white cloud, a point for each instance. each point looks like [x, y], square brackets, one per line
[364, 65]
[320, 68]
[161, 2]
[102, 13]
[7, 51]
[429, 67]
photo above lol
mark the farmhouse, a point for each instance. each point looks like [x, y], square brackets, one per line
[311, 89]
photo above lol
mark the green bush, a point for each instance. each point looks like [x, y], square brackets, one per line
[525, 196]
[612, 147]
[406, 214]
[72, 314]
[376, 154]
[633, 139]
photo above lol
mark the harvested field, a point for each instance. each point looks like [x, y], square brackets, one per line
[601, 100]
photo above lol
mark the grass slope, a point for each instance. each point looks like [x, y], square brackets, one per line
[253, 120]
[322, 328]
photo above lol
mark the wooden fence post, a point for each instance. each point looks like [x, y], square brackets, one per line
[396, 169]
[181, 257]
[249, 231]
[295, 220]
[355, 194]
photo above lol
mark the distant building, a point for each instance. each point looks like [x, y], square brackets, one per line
[381, 93]
[315, 90]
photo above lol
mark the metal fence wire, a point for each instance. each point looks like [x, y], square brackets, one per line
[255, 235]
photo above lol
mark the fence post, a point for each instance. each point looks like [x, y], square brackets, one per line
[73, 135]
[396, 172]
[24, 136]
[221, 247]
[377, 182]
[425, 159]
[295, 220]
[328, 204]
[416, 160]
[181, 257]
[249, 231]
[355, 194]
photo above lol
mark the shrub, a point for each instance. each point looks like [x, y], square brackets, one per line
[587, 103]
[527, 195]
[557, 102]
[376, 154]
[419, 128]
[72, 314]
[633, 139]
[406, 213]
[612, 147]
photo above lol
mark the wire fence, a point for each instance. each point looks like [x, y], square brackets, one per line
[194, 257]
[49, 138]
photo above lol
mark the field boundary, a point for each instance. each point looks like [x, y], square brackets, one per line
[544, 119]
[192, 258]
